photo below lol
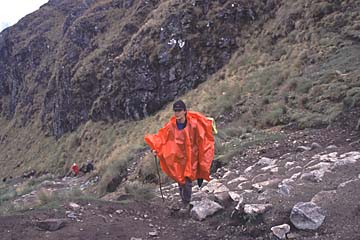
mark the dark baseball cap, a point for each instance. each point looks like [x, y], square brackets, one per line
[179, 105]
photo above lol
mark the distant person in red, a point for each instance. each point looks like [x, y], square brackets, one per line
[75, 169]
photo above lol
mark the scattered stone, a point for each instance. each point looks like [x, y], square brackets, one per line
[331, 147]
[260, 178]
[303, 149]
[256, 209]
[51, 224]
[322, 166]
[199, 195]
[281, 231]
[284, 189]
[234, 196]
[342, 185]
[257, 187]
[269, 183]
[313, 176]
[120, 211]
[297, 168]
[212, 186]
[240, 204]
[248, 169]
[293, 236]
[134, 238]
[74, 206]
[264, 161]
[307, 216]
[289, 164]
[238, 179]
[153, 233]
[315, 145]
[241, 185]
[204, 208]
[222, 197]
[71, 215]
[221, 189]
[295, 176]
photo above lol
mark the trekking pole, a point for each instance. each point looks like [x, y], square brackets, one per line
[157, 168]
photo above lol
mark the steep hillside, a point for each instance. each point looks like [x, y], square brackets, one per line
[87, 79]
[75, 74]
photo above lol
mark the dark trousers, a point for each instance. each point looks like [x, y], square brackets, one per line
[185, 191]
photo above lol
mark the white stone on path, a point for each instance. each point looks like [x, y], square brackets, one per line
[238, 179]
[281, 231]
[255, 209]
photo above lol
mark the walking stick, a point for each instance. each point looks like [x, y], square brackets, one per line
[157, 168]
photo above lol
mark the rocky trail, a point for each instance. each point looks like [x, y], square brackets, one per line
[304, 186]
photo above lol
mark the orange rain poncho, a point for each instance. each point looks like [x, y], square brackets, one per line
[187, 152]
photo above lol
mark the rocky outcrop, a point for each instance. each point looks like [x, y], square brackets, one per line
[72, 61]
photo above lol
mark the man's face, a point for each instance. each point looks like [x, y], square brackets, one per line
[179, 114]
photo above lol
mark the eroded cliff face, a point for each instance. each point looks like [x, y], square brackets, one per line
[72, 61]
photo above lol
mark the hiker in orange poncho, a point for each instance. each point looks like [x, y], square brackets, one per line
[185, 148]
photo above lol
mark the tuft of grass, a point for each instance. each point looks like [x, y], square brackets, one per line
[45, 196]
[276, 115]
[352, 98]
[140, 191]
[147, 170]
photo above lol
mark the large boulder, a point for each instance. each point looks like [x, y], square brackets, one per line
[307, 216]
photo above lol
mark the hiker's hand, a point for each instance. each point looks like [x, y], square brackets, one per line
[154, 153]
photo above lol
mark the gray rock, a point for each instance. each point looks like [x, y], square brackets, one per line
[222, 197]
[307, 216]
[313, 176]
[281, 231]
[256, 209]
[331, 147]
[344, 184]
[240, 204]
[270, 183]
[203, 209]
[51, 224]
[289, 164]
[284, 189]
[315, 145]
[303, 149]
[234, 196]
[238, 179]
[212, 186]
[264, 161]
[153, 233]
